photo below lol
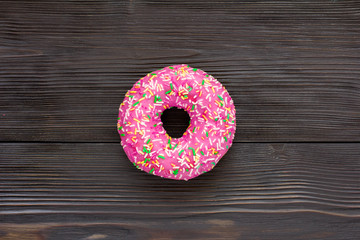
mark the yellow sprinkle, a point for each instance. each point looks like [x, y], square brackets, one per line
[133, 91]
[204, 117]
[151, 93]
[187, 159]
[213, 89]
[137, 120]
[200, 93]
[135, 131]
[147, 164]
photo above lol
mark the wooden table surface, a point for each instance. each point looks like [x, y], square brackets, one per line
[291, 67]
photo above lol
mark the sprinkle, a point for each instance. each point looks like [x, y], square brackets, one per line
[168, 92]
[213, 89]
[171, 86]
[202, 153]
[193, 106]
[175, 171]
[148, 116]
[220, 97]
[171, 67]
[207, 134]
[151, 171]
[169, 142]
[194, 69]
[144, 94]
[122, 134]
[137, 120]
[181, 152]
[148, 141]
[120, 127]
[203, 82]
[225, 139]
[175, 146]
[136, 104]
[204, 117]
[193, 151]
[162, 157]
[194, 129]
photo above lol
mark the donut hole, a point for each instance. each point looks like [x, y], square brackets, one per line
[175, 121]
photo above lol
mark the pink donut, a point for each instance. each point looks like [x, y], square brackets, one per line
[206, 140]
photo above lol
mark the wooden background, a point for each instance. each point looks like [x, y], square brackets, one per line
[292, 68]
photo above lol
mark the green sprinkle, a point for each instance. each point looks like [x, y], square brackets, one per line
[176, 171]
[228, 116]
[225, 139]
[154, 125]
[202, 153]
[175, 73]
[216, 119]
[185, 95]
[194, 69]
[146, 159]
[154, 74]
[181, 152]
[151, 171]
[203, 82]
[206, 75]
[171, 86]
[220, 98]
[193, 151]
[157, 114]
[193, 106]
[175, 147]
[229, 133]
[187, 170]
[207, 134]
[131, 96]
[169, 142]
[120, 128]
[144, 149]
[135, 104]
[168, 92]
[148, 116]
[148, 141]
[213, 163]
[171, 67]
[190, 88]
[122, 134]
[144, 94]
[162, 157]
[224, 120]
[194, 129]
[227, 147]
[232, 121]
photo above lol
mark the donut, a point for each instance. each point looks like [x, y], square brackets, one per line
[211, 129]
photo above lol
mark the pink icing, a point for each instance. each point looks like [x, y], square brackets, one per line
[208, 137]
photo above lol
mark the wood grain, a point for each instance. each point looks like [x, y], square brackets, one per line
[48, 185]
[291, 67]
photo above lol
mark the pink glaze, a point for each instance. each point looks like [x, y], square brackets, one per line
[208, 137]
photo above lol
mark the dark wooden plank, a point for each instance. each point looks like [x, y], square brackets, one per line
[289, 191]
[291, 67]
